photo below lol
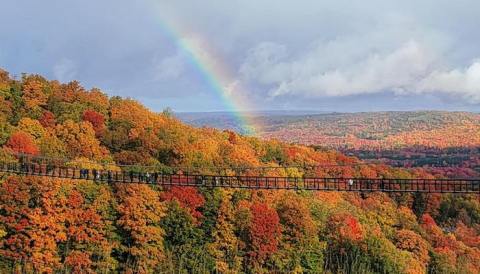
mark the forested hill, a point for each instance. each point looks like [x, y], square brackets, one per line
[379, 130]
[362, 130]
[66, 121]
[53, 225]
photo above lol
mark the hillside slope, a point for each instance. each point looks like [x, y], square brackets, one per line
[379, 130]
[73, 226]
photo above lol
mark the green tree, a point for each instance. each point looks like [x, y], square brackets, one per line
[185, 241]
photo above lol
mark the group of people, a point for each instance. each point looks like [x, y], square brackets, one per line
[111, 176]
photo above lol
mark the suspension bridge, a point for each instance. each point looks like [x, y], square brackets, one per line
[465, 186]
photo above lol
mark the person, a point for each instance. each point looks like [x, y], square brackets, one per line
[49, 168]
[147, 177]
[131, 176]
[199, 180]
[83, 173]
[350, 183]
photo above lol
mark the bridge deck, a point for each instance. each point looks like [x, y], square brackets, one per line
[252, 182]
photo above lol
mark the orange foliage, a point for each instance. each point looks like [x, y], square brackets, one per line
[140, 214]
[345, 227]
[467, 235]
[33, 93]
[412, 242]
[69, 92]
[380, 130]
[31, 212]
[84, 226]
[80, 139]
[22, 142]
[295, 217]
[79, 262]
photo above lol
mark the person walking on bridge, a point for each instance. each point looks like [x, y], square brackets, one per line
[350, 184]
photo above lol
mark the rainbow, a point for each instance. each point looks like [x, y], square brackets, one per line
[215, 72]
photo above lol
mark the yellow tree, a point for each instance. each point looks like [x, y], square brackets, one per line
[95, 99]
[33, 93]
[51, 146]
[140, 213]
[80, 140]
[225, 248]
[32, 127]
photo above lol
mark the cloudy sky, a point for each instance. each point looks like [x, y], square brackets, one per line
[338, 55]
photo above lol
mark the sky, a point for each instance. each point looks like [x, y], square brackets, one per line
[280, 55]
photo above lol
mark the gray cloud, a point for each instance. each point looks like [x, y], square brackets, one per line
[170, 67]
[290, 54]
[410, 69]
[65, 70]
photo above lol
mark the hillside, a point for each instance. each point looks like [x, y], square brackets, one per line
[229, 121]
[365, 130]
[438, 139]
[379, 130]
[75, 226]
[446, 141]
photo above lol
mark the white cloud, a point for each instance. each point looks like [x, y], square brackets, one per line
[457, 82]
[411, 68]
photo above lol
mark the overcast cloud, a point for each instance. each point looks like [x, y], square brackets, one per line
[325, 55]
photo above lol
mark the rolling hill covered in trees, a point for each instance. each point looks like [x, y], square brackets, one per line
[445, 142]
[379, 130]
[51, 225]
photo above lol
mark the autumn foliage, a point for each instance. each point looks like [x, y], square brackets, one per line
[59, 225]
[188, 197]
[345, 227]
[96, 119]
[264, 232]
[21, 142]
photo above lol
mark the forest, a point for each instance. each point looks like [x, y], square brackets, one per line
[53, 225]
[378, 130]
[442, 142]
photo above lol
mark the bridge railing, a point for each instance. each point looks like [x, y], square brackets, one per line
[250, 182]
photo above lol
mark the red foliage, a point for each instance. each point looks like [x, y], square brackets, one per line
[435, 234]
[345, 227]
[264, 231]
[353, 229]
[187, 197]
[467, 235]
[96, 119]
[47, 119]
[427, 221]
[21, 142]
